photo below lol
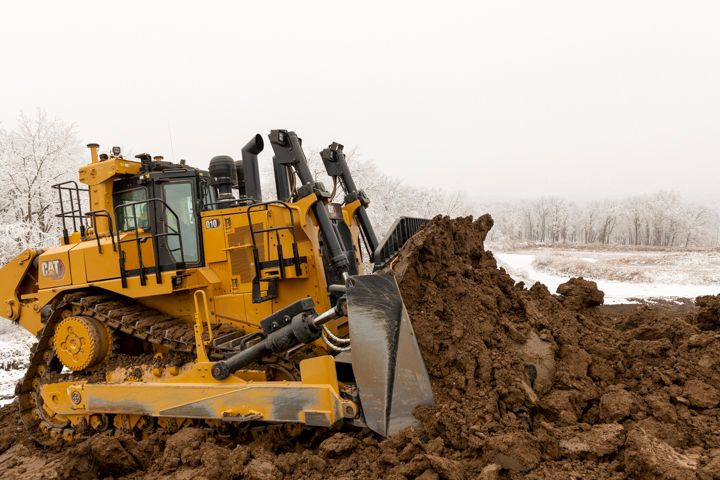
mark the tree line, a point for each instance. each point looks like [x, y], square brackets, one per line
[661, 219]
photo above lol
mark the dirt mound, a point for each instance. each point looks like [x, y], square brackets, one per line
[579, 293]
[524, 386]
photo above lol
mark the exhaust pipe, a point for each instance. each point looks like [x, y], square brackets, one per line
[250, 171]
[240, 179]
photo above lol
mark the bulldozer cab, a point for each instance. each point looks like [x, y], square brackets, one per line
[165, 204]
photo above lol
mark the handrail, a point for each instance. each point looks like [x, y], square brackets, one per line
[93, 219]
[153, 236]
[75, 212]
[281, 258]
[222, 204]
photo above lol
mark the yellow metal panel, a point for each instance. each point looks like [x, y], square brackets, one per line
[213, 233]
[351, 221]
[179, 305]
[77, 265]
[236, 270]
[202, 277]
[101, 199]
[208, 275]
[230, 308]
[29, 318]
[240, 243]
[99, 176]
[54, 267]
[319, 370]
[349, 211]
[302, 207]
[135, 289]
[256, 311]
[130, 248]
[104, 264]
[96, 173]
[11, 275]
[222, 271]
[196, 394]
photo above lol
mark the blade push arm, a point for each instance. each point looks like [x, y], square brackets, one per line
[337, 168]
[288, 151]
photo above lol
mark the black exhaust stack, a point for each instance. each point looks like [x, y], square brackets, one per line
[248, 173]
[240, 179]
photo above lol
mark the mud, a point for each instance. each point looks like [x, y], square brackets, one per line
[579, 293]
[708, 315]
[527, 385]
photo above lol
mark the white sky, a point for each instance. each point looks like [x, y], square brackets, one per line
[500, 99]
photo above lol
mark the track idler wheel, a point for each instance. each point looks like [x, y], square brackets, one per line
[99, 422]
[81, 342]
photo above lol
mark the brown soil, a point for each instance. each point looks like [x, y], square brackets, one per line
[580, 293]
[527, 385]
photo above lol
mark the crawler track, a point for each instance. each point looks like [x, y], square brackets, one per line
[125, 318]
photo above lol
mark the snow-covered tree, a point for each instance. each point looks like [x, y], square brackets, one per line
[661, 219]
[39, 152]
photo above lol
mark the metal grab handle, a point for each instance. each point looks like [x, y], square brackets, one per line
[93, 219]
[200, 297]
[291, 227]
[75, 207]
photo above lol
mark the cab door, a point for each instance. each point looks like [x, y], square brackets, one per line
[178, 223]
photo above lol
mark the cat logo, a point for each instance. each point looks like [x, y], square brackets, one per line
[54, 269]
[212, 223]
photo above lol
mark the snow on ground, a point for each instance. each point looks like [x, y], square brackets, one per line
[623, 276]
[638, 266]
[15, 346]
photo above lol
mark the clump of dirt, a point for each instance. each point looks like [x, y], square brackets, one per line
[579, 293]
[708, 316]
[526, 386]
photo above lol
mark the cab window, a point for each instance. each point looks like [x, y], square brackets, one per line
[130, 217]
[179, 197]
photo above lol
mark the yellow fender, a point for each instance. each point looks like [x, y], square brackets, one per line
[11, 276]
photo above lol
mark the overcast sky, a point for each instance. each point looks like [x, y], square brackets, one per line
[500, 99]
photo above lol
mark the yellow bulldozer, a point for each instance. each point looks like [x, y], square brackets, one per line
[178, 296]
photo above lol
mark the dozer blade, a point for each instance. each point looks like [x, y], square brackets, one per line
[388, 367]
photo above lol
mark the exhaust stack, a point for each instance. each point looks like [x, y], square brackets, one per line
[93, 152]
[248, 171]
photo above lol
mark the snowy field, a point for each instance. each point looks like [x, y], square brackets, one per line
[622, 275]
[15, 346]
